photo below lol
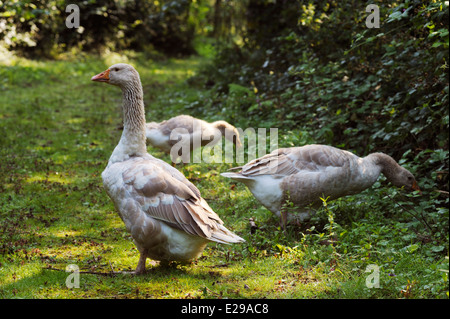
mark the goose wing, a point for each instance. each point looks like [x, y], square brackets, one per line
[179, 122]
[164, 194]
[288, 161]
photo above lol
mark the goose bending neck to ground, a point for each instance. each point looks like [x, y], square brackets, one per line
[164, 212]
[191, 133]
[305, 174]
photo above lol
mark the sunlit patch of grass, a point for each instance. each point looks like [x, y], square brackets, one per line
[58, 130]
[54, 178]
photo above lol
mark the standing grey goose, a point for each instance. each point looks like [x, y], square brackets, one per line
[164, 212]
[190, 132]
[307, 173]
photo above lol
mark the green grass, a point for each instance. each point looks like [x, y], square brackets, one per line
[57, 132]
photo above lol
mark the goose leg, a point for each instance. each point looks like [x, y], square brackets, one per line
[140, 269]
[301, 217]
[283, 220]
[296, 219]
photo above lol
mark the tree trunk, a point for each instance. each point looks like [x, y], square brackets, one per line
[217, 22]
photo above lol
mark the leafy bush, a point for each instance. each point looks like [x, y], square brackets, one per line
[325, 72]
[39, 29]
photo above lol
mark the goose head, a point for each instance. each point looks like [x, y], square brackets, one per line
[119, 74]
[401, 177]
[396, 174]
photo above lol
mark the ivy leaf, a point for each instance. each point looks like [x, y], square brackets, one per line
[437, 249]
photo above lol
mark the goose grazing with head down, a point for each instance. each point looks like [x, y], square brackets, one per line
[190, 133]
[305, 174]
[164, 212]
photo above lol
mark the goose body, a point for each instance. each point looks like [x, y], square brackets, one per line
[191, 132]
[164, 212]
[306, 174]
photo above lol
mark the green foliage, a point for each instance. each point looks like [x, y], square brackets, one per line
[322, 70]
[319, 75]
[39, 28]
[54, 212]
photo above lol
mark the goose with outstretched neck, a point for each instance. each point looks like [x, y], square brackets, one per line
[305, 175]
[164, 212]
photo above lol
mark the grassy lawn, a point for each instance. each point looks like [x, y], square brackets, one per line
[57, 131]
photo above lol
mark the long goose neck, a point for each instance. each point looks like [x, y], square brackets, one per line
[133, 107]
[133, 119]
[221, 126]
[232, 135]
[389, 167]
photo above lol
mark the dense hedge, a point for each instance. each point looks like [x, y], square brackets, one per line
[320, 69]
[38, 28]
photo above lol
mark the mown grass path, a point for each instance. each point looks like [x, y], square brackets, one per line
[57, 132]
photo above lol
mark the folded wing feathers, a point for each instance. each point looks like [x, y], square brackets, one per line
[224, 236]
[275, 163]
[200, 219]
[321, 155]
[176, 201]
[288, 161]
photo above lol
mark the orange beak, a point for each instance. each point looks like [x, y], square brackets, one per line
[415, 187]
[101, 77]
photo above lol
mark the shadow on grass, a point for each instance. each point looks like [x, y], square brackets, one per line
[160, 281]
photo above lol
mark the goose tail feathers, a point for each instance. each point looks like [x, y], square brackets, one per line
[236, 176]
[224, 236]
